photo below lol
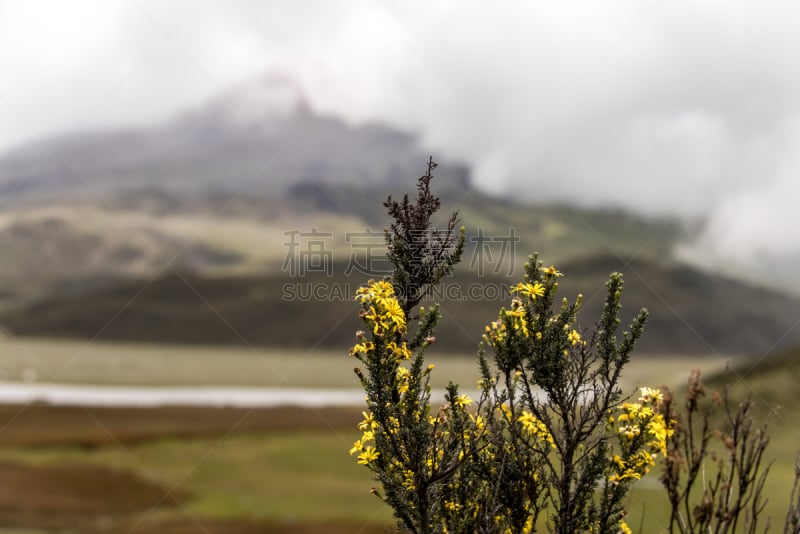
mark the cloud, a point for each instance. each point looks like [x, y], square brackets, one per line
[754, 227]
[677, 107]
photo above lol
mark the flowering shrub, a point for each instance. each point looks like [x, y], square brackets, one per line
[550, 441]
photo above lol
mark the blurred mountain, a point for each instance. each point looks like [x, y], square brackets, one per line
[261, 138]
[214, 200]
[220, 189]
[67, 248]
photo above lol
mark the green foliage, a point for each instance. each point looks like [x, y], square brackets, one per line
[546, 373]
[551, 441]
[541, 436]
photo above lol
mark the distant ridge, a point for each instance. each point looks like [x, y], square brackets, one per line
[690, 312]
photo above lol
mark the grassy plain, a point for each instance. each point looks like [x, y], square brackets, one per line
[232, 470]
[141, 470]
[79, 362]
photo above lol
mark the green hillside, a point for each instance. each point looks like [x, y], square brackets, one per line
[690, 312]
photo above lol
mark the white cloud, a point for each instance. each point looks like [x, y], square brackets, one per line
[756, 224]
[668, 107]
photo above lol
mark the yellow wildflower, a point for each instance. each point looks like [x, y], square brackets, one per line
[394, 313]
[551, 271]
[651, 395]
[368, 423]
[462, 401]
[629, 431]
[478, 422]
[574, 337]
[362, 348]
[408, 480]
[659, 431]
[518, 319]
[358, 446]
[452, 506]
[368, 455]
[381, 308]
[534, 427]
[375, 291]
[401, 351]
[529, 290]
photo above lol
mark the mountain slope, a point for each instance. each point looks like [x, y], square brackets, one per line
[690, 312]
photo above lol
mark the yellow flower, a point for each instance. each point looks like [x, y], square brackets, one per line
[478, 422]
[408, 480]
[368, 455]
[452, 506]
[659, 431]
[574, 337]
[630, 431]
[631, 407]
[496, 331]
[519, 321]
[381, 308]
[401, 351]
[394, 313]
[368, 423]
[651, 395]
[534, 427]
[462, 401]
[529, 290]
[551, 271]
[358, 446]
[624, 528]
[362, 348]
[375, 291]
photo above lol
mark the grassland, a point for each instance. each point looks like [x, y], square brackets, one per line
[231, 470]
[95, 470]
[278, 470]
[78, 362]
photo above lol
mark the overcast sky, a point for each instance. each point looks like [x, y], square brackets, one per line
[671, 107]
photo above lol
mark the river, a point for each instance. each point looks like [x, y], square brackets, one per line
[215, 396]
